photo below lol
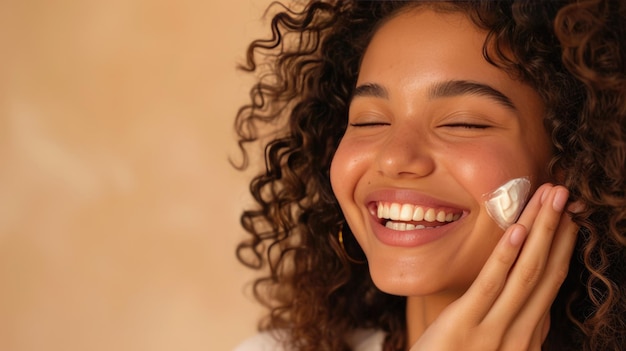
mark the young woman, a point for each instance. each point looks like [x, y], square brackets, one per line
[392, 121]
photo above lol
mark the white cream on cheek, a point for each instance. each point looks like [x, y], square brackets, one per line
[505, 204]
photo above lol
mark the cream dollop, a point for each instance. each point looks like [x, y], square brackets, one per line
[506, 203]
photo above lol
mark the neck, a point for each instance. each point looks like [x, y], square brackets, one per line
[421, 311]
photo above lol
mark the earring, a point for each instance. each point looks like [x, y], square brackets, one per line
[343, 248]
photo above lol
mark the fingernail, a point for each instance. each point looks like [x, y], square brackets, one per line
[544, 195]
[560, 199]
[518, 235]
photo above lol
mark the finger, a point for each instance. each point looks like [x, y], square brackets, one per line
[531, 211]
[517, 341]
[543, 328]
[479, 298]
[540, 333]
[555, 273]
[531, 341]
[531, 263]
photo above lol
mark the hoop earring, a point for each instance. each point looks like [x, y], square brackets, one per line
[343, 248]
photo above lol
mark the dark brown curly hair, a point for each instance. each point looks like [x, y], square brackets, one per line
[574, 55]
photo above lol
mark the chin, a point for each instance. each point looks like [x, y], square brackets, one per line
[407, 279]
[402, 278]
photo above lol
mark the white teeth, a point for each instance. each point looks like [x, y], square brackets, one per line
[418, 214]
[401, 226]
[394, 211]
[441, 216]
[429, 216]
[406, 213]
[409, 212]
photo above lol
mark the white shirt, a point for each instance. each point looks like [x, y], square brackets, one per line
[359, 340]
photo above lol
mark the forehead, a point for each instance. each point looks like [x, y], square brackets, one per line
[423, 41]
[420, 48]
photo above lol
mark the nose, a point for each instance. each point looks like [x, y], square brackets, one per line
[405, 154]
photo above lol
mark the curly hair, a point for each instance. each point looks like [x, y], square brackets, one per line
[573, 53]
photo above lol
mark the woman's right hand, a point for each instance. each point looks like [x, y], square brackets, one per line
[508, 306]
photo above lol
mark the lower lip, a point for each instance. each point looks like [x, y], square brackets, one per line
[409, 238]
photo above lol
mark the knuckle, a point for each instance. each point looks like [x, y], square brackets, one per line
[530, 274]
[504, 258]
[489, 287]
[551, 226]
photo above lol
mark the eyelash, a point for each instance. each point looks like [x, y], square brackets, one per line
[452, 125]
[467, 126]
[370, 124]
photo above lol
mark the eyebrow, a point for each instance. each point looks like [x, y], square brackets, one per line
[452, 88]
[371, 90]
[449, 88]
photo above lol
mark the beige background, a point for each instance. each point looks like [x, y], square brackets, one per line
[118, 208]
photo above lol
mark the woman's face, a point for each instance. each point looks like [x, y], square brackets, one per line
[432, 128]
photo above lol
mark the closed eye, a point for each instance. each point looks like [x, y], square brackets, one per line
[466, 125]
[369, 124]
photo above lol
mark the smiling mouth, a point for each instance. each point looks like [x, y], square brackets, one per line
[403, 217]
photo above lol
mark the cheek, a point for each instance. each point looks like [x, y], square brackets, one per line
[483, 169]
[344, 170]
